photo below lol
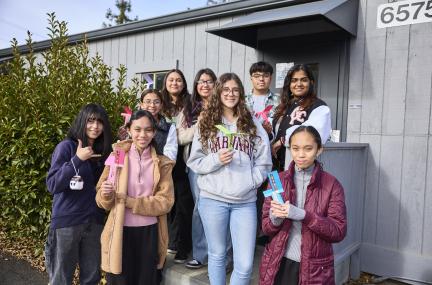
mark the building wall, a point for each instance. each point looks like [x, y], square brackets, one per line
[190, 44]
[390, 108]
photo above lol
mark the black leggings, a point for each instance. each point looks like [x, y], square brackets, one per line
[180, 217]
[288, 272]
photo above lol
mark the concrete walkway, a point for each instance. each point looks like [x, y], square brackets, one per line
[15, 271]
[175, 274]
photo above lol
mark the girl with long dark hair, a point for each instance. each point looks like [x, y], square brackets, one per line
[231, 156]
[176, 98]
[299, 106]
[76, 221]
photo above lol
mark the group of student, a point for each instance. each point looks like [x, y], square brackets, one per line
[192, 169]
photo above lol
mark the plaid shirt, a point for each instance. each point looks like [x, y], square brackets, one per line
[271, 99]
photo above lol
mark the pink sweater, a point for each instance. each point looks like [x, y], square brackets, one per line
[140, 183]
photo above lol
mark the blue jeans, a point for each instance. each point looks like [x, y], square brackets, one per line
[199, 241]
[240, 220]
[65, 247]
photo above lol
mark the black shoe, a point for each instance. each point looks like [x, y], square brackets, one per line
[194, 264]
[180, 258]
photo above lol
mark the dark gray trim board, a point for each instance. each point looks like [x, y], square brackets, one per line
[344, 145]
[393, 263]
[201, 14]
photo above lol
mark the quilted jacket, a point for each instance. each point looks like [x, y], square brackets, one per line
[324, 223]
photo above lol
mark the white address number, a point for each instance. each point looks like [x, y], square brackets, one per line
[404, 13]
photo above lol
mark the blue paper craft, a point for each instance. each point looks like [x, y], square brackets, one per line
[276, 187]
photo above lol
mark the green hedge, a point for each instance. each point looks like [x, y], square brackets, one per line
[40, 96]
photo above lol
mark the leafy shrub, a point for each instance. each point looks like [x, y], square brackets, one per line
[40, 96]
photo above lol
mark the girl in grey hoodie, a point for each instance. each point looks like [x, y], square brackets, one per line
[231, 155]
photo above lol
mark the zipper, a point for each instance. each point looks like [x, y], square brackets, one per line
[139, 172]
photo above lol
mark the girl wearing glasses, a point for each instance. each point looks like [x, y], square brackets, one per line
[176, 97]
[230, 165]
[165, 135]
[299, 106]
[203, 87]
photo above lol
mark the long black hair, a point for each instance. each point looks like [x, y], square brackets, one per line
[286, 96]
[77, 131]
[171, 110]
[194, 107]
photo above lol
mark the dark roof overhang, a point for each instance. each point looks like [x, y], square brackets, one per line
[326, 16]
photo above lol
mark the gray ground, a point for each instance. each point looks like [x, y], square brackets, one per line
[14, 271]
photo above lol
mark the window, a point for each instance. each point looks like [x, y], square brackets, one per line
[153, 79]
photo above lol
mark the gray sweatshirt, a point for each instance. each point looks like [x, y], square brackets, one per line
[237, 181]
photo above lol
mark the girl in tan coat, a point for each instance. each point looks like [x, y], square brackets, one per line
[135, 238]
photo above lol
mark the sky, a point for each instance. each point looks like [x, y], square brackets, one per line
[19, 16]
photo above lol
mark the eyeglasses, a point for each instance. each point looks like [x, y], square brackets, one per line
[205, 82]
[154, 102]
[261, 75]
[226, 91]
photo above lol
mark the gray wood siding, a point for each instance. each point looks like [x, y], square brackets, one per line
[178, 48]
[189, 45]
[213, 48]
[224, 51]
[390, 108]
[427, 221]
[200, 49]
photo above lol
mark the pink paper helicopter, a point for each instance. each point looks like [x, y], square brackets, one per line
[263, 115]
[115, 160]
[127, 114]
